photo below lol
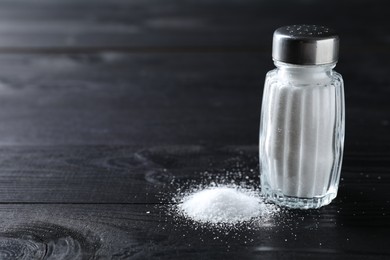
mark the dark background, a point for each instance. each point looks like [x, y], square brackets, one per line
[107, 106]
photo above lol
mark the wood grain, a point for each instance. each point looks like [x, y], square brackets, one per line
[147, 231]
[164, 98]
[27, 25]
[125, 174]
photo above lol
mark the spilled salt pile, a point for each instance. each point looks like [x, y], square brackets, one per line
[224, 205]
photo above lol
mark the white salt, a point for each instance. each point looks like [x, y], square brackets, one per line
[224, 205]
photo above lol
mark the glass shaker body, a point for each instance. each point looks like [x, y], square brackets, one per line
[301, 135]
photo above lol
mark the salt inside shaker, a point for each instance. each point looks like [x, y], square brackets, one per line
[302, 119]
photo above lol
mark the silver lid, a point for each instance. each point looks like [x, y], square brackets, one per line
[305, 45]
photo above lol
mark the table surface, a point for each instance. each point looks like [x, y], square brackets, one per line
[107, 106]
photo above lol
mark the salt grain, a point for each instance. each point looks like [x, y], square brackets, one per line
[226, 204]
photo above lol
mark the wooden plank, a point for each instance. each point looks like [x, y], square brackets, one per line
[101, 174]
[148, 232]
[116, 98]
[122, 174]
[164, 99]
[192, 24]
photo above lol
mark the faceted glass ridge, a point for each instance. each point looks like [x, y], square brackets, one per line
[301, 135]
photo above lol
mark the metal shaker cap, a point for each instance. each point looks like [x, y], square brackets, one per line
[305, 45]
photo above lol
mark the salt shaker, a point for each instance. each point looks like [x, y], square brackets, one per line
[302, 119]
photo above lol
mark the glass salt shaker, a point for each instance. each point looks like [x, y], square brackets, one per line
[302, 119]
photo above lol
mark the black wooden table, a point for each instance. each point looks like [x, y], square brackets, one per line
[107, 106]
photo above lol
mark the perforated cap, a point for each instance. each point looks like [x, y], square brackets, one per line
[305, 45]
